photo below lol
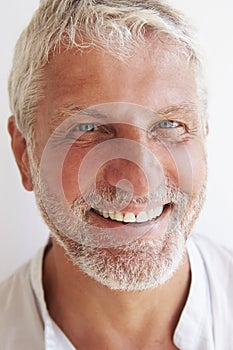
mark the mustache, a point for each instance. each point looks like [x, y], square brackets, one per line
[111, 198]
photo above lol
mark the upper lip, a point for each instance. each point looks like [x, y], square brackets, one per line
[135, 209]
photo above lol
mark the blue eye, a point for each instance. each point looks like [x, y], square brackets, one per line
[168, 131]
[85, 127]
[167, 124]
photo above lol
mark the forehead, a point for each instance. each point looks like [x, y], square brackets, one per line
[156, 78]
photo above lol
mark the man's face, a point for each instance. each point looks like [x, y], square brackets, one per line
[121, 166]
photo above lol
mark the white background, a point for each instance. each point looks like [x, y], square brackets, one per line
[21, 228]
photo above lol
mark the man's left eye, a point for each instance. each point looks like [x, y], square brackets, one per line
[168, 131]
[167, 124]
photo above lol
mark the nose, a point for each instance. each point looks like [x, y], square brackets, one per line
[133, 167]
[127, 175]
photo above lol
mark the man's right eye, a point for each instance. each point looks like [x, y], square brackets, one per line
[85, 127]
[88, 133]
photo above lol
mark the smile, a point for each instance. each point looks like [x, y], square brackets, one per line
[142, 216]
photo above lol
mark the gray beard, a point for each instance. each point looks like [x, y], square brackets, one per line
[131, 264]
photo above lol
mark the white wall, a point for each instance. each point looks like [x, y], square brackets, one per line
[21, 228]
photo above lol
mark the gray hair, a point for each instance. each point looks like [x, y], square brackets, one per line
[117, 26]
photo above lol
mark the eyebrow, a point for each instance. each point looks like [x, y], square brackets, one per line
[72, 110]
[184, 108]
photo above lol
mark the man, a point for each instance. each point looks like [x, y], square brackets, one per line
[108, 129]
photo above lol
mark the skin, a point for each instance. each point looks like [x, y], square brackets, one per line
[90, 314]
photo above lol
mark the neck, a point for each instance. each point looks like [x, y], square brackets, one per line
[82, 307]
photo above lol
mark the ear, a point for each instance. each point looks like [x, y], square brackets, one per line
[19, 147]
[206, 128]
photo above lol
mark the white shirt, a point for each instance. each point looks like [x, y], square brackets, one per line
[206, 322]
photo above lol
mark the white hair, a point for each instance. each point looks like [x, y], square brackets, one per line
[117, 26]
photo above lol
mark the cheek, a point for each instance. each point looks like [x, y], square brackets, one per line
[70, 175]
[190, 163]
[199, 166]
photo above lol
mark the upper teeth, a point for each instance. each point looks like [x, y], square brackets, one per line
[131, 217]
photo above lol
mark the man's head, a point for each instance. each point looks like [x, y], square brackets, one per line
[110, 104]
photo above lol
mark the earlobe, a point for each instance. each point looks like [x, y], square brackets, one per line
[19, 147]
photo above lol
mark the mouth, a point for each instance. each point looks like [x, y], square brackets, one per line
[130, 217]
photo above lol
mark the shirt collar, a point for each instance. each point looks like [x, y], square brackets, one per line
[54, 338]
[194, 329]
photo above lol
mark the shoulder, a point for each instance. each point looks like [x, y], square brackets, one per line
[212, 266]
[212, 254]
[14, 290]
[215, 260]
[20, 319]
